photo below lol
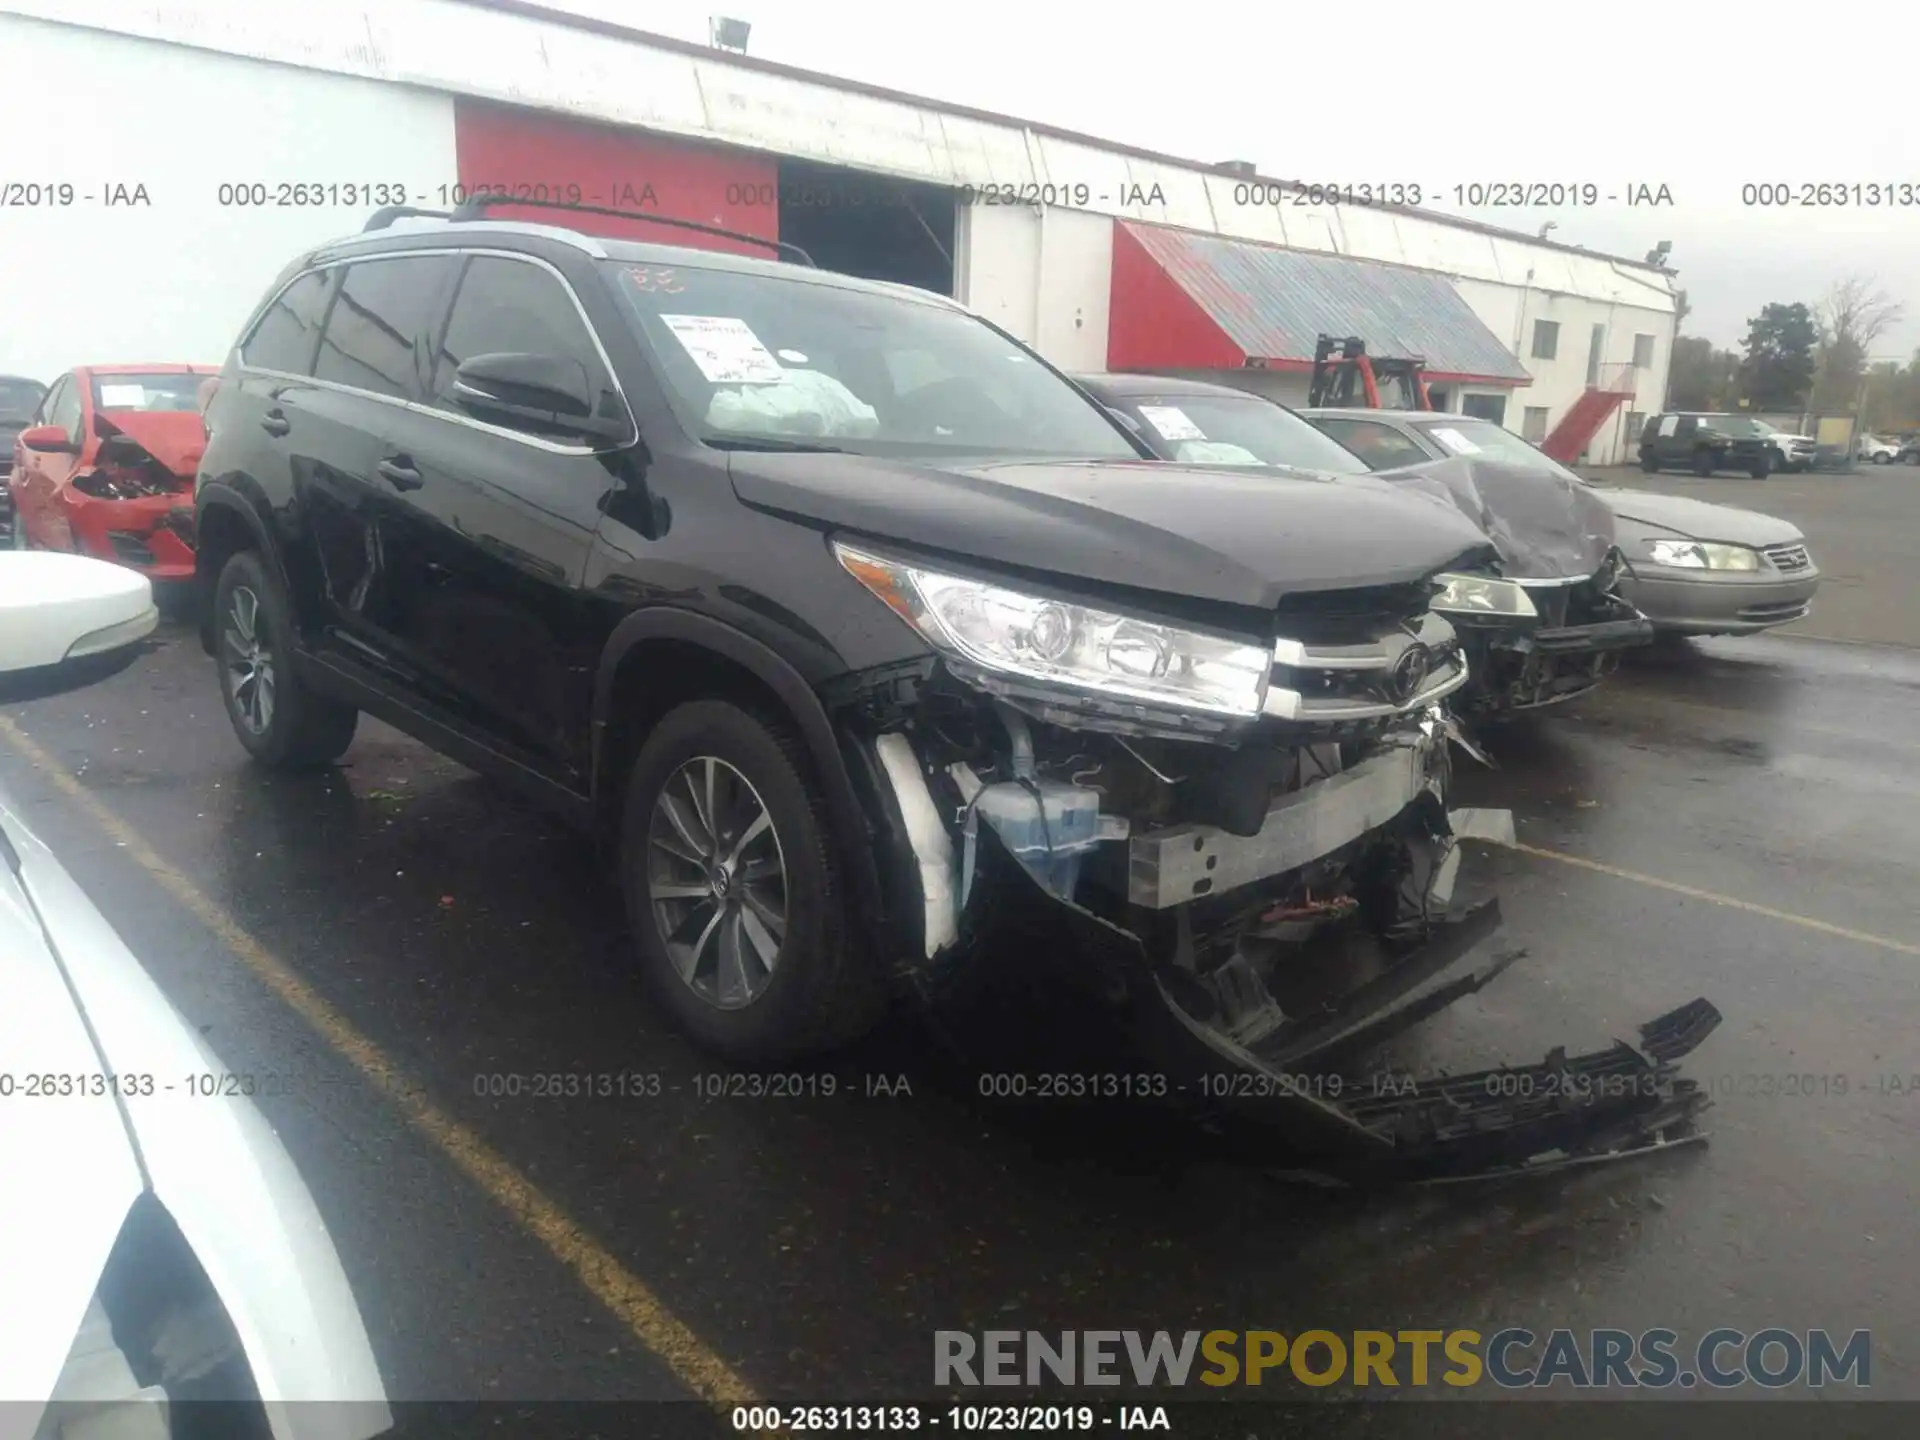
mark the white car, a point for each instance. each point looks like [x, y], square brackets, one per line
[1879, 451]
[158, 1249]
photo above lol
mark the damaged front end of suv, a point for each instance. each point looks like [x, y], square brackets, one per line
[1242, 843]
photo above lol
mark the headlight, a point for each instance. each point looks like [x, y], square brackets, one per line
[1699, 555]
[1481, 595]
[1059, 643]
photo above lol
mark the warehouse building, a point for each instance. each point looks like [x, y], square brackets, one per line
[152, 232]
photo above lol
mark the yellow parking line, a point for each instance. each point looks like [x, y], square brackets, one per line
[1805, 922]
[625, 1294]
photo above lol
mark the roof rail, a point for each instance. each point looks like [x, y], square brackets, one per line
[387, 214]
[475, 206]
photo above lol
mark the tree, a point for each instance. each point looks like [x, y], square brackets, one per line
[1701, 377]
[1855, 313]
[1778, 370]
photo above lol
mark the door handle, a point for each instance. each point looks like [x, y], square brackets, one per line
[399, 474]
[275, 422]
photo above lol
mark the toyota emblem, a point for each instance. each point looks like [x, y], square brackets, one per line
[1409, 673]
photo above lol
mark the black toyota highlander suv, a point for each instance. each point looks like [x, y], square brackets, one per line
[868, 643]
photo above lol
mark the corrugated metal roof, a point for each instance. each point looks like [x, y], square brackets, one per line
[1274, 303]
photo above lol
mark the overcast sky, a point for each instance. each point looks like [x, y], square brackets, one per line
[1485, 91]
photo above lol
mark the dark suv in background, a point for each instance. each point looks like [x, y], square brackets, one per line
[873, 648]
[1707, 444]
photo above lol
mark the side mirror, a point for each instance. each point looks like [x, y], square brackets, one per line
[547, 392]
[49, 440]
[67, 620]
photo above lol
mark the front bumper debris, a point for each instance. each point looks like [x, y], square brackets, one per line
[1294, 1085]
[1574, 644]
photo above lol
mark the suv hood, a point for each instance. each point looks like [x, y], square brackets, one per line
[1229, 534]
[1697, 520]
[176, 438]
[1545, 527]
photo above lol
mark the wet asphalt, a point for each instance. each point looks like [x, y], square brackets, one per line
[816, 1243]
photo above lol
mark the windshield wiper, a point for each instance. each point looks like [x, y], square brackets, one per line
[772, 443]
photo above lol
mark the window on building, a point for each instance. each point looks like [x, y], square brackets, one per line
[377, 324]
[1534, 426]
[1643, 352]
[285, 337]
[1546, 339]
[1485, 407]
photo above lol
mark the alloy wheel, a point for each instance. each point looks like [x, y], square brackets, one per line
[248, 660]
[717, 882]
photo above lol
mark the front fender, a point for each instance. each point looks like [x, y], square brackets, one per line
[845, 813]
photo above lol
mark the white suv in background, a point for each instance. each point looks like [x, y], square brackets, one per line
[1878, 450]
[1793, 452]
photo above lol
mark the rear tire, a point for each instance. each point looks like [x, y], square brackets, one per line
[278, 718]
[761, 964]
[1649, 464]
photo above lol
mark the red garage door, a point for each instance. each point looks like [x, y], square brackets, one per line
[526, 152]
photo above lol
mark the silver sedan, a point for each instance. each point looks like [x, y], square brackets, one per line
[1692, 568]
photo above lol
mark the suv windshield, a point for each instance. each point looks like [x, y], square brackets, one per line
[147, 392]
[19, 398]
[1229, 430]
[758, 359]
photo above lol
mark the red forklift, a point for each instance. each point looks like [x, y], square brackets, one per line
[1339, 364]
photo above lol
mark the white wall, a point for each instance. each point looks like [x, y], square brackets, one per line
[174, 280]
[1046, 276]
[443, 45]
[1511, 311]
[1285, 386]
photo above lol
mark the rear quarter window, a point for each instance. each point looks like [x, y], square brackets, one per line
[287, 332]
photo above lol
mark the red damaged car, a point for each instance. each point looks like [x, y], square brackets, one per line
[107, 466]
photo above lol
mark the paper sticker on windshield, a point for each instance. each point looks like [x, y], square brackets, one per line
[122, 397]
[1454, 440]
[727, 352]
[1172, 422]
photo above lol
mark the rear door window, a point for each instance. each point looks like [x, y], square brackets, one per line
[377, 328]
[1381, 446]
[285, 335]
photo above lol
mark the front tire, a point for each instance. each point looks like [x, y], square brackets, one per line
[280, 720]
[734, 889]
[1762, 467]
[1703, 465]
